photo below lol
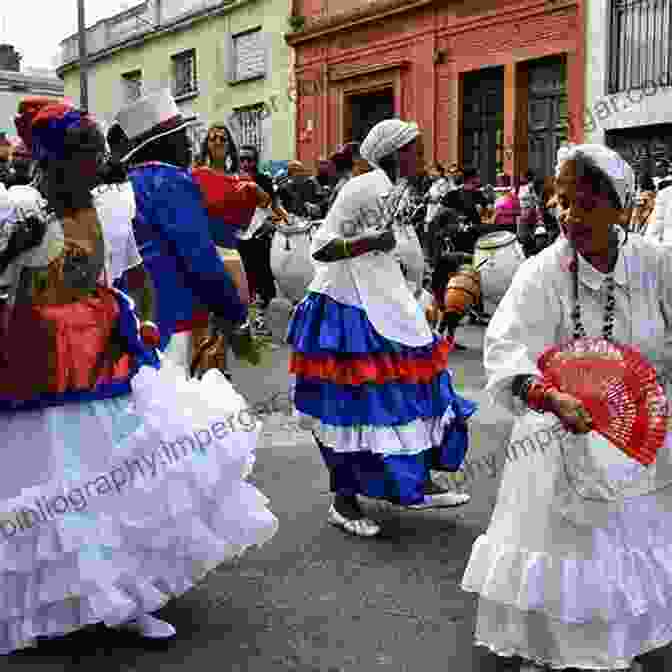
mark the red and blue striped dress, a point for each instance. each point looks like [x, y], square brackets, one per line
[385, 412]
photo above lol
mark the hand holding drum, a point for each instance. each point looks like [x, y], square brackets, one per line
[463, 290]
[263, 199]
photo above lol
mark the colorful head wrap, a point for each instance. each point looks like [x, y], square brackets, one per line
[387, 137]
[42, 124]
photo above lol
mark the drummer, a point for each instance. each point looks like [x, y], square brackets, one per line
[343, 160]
[255, 242]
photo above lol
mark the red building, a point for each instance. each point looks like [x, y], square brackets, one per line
[492, 84]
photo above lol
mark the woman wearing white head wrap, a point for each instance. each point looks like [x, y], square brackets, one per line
[371, 376]
[575, 567]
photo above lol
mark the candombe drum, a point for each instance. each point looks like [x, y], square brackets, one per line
[497, 257]
[463, 290]
[291, 262]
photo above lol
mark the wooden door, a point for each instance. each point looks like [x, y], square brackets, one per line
[364, 111]
[483, 121]
[547, 113]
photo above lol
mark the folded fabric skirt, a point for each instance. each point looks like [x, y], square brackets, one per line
[564, 581]
[110, 508]
[385, 414]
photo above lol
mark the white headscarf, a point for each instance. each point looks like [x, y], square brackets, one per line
[617, 170]
[386, 137]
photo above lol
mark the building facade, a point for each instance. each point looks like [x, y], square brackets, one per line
[629, 79]
[14, 86]
[494, 84]
[224, 61]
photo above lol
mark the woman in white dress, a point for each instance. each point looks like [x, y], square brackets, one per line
[575, 569]
[127, 483]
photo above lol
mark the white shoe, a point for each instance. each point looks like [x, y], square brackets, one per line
[443, 499]
[360, 527]
[149, 627]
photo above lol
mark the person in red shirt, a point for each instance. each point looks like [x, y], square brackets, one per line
[230, 200]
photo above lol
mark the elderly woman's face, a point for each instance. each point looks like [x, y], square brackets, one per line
[412, 158]
[586, 214]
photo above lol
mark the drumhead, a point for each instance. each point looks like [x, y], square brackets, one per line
[494, 240]
[296, 226]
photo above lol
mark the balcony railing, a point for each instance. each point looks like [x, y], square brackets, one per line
[640, 45]
[135, 21]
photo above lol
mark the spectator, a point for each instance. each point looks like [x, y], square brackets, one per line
[661, 227]
[255, 242]
[530, 213]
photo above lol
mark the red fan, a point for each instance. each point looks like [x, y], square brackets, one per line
[619, 389]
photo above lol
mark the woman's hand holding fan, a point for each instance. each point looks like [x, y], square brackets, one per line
[571, 412]
[616, 386]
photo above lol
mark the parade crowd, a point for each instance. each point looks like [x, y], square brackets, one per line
[133, 267]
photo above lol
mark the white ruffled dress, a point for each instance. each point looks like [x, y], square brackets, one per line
[575, 568]
[110, 508]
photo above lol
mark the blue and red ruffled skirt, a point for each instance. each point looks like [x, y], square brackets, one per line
[384, 414]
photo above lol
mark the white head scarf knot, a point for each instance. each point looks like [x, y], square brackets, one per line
[386, 137]
[615, 168]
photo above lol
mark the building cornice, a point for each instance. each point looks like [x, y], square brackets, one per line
[320, 26]
[139, 38]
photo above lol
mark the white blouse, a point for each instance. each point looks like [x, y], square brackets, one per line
[115, 205]
[536, 311]
[373, 281]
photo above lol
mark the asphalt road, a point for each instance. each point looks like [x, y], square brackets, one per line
[315, 599]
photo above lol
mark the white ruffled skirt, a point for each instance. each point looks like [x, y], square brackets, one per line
[111, 508]
[568, 582]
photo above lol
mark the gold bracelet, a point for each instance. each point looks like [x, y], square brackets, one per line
[346, 248]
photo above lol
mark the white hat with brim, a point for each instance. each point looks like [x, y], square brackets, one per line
[151, 118]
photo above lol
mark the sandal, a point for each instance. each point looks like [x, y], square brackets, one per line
[360, 527]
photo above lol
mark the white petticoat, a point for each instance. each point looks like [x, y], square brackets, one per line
[568, 585]
[114, 507]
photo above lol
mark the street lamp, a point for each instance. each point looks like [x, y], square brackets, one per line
[83, 59]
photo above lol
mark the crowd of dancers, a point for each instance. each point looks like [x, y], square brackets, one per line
[116, 273]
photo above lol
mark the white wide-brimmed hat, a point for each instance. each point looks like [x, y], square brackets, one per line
[150, 118]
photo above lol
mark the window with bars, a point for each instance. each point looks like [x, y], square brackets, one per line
[248, 55]
[640, 45]
[249, 120]
[132, 85]
[185, 81]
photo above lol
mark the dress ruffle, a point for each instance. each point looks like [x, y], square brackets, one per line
[376, 369]
[620, 583]
[390, 404]
[385, 414]
[321, 326]
[561, 646]
[81, 545]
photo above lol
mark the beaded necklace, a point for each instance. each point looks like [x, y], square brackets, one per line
[609, 308]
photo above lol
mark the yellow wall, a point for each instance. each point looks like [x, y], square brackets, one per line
[216, 97]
